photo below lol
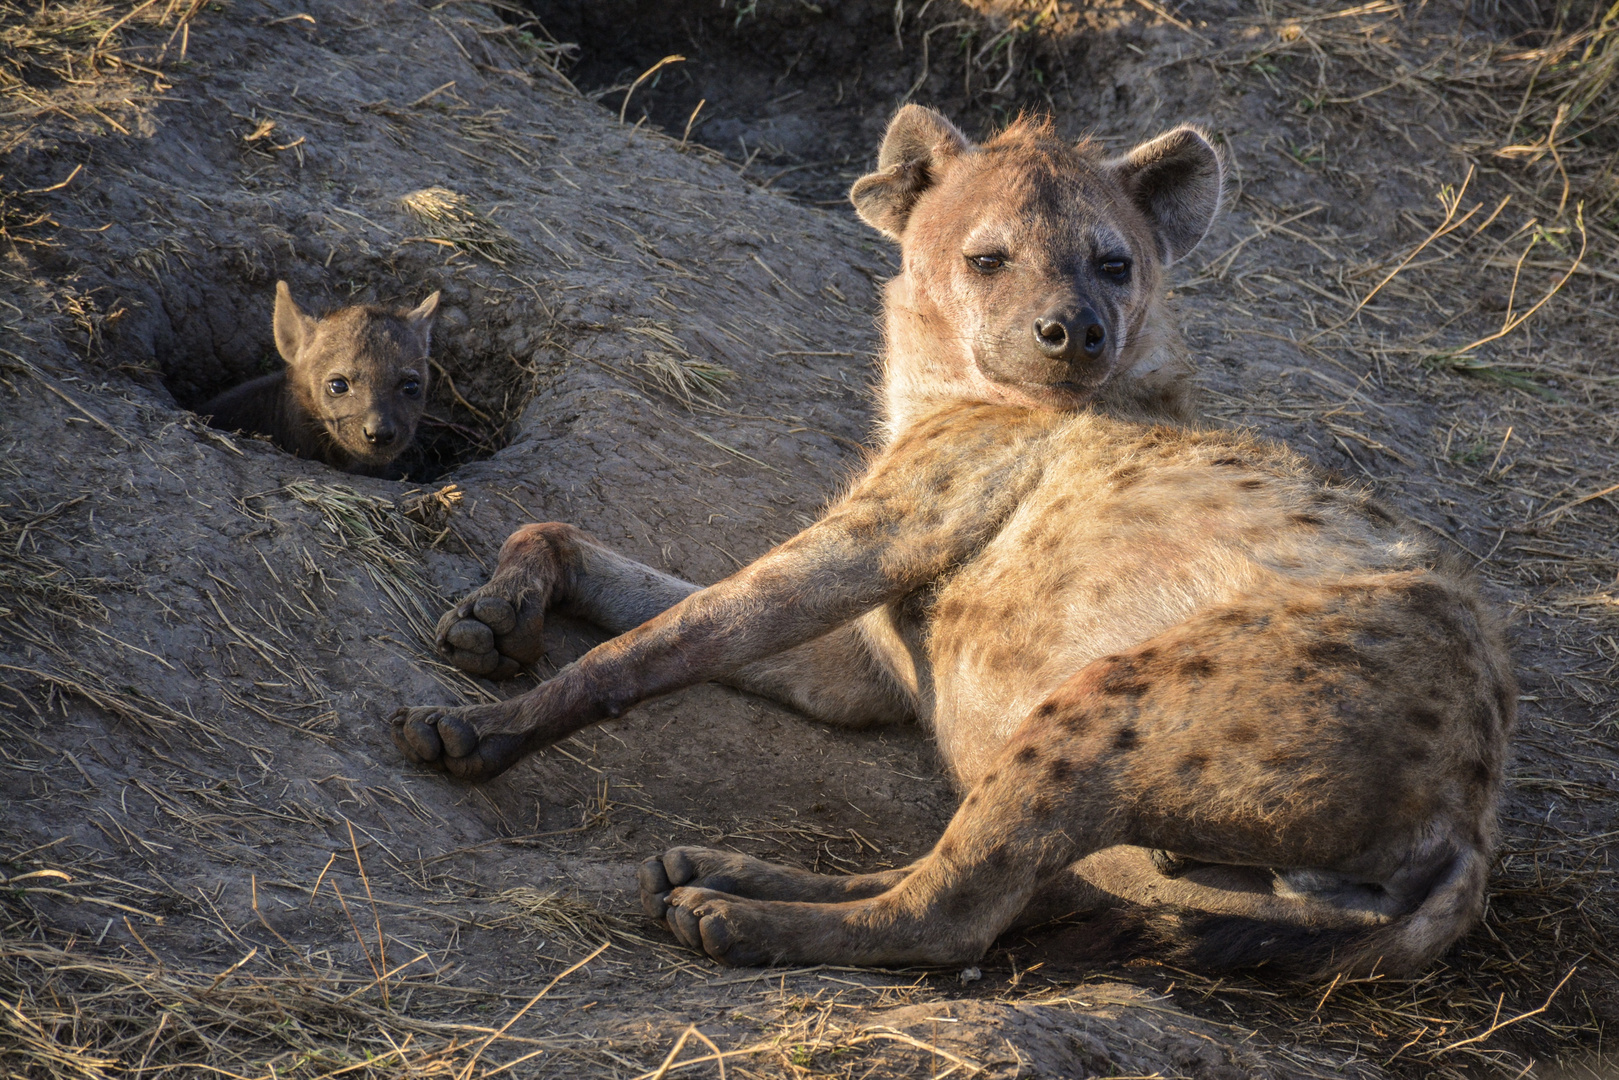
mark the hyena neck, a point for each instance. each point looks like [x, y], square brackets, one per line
[923, 371]
[1155, 380]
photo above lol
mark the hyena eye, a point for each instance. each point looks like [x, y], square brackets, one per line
[987, 264]
[1117, 269]
[410, 388]
[337, 387]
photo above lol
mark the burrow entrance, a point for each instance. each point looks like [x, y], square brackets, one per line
[799, 93]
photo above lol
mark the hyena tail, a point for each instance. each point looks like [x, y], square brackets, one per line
[1403, 946]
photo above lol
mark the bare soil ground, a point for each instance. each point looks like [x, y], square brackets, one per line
[211, 858]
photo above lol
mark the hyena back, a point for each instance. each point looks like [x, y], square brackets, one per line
[1169, 666]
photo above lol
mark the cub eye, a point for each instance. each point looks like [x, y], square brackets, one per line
[337, 387]
[1117, 269]
[410, 388]
[987, 264]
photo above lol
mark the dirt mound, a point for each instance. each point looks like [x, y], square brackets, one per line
[211, 853]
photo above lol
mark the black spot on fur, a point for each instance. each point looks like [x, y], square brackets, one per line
[1424, 717]
[1251, 484]
[1308, 520]
[1026, 756]
[1060, 771]
[1241, 733]
[1483, 774]
[1125, 739]
[1076, 722]
[1198, 666]
[1046, 711]
[1231, 461]
[1124, 677]
[1193, 763]
[1125, 683]
[1331, 653]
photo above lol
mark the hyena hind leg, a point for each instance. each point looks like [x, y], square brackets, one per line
[741, 875]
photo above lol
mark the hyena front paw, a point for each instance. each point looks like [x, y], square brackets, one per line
[475, 743]
[497, 631]
[487, 634]
[717, 924]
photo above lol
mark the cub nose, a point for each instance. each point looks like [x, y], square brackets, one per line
[1065, 338]
[381, 432]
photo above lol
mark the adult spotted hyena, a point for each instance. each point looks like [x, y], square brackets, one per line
[1167, 664]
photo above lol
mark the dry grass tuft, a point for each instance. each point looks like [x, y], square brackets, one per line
[454, 222]
[548, 915]
[688, 379]
[386, 538]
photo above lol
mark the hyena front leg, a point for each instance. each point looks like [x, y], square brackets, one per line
[887, 538]
[495, 631]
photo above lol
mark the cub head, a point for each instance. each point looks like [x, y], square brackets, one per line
[1032, 268]
[361, 371]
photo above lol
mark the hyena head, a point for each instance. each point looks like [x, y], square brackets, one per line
[361, 372]
[1032, 268]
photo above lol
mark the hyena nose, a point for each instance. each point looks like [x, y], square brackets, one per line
[1068, 337]
[381, 432]
[1052, 336]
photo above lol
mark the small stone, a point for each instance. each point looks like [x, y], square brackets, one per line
[971, 975]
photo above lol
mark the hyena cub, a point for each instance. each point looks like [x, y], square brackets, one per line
[1170, 666]
[353, 389]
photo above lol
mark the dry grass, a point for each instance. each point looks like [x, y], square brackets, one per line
[90, 1014]
[453, 221]
[47, 43]
[387, 539]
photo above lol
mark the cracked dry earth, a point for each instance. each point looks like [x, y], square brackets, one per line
[200, 636]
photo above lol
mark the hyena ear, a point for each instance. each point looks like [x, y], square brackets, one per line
[293, 328]
[917, 142]
[420, 319]
[1176, 180]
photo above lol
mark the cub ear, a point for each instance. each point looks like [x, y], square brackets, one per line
[917, 142]
[293, 328]
[1176, 180]
[420, 318]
